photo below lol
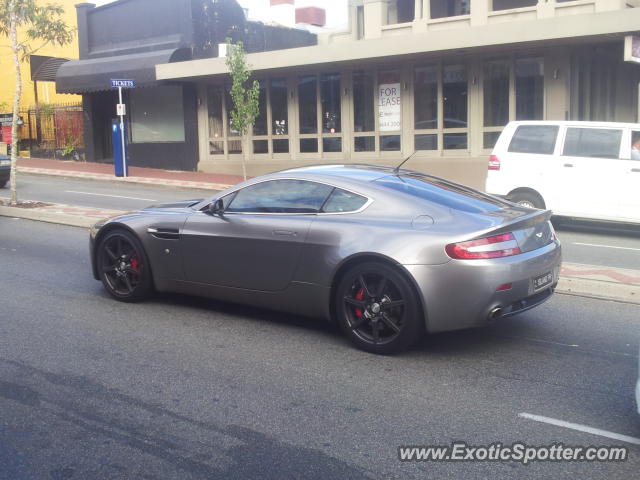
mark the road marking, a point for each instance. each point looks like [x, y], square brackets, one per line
[605, 246]
[581, 428]
[113, 196]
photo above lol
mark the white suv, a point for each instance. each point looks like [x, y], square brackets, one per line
[577, 169]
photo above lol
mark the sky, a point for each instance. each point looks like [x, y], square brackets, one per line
[336, 9]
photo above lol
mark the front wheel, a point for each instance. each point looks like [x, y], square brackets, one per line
[378, 309]
[123, 266]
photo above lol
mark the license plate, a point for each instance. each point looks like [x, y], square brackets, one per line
[542, 280]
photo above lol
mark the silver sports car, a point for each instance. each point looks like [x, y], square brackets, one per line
[388, 254]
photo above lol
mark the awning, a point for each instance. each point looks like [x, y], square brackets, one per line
[92, 75]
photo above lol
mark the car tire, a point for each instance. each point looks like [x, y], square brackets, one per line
[377, 309]
[526, 199]
[123, 266]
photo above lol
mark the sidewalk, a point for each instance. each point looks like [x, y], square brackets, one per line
[103, 171]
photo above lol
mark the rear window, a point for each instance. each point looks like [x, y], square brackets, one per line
[341, 201]
[443, 193]
[592, 142]
[534, 139]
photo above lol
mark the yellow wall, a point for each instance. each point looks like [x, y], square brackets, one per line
[46, 90]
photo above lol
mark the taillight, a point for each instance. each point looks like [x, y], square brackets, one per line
[494, 163]
[496, 246]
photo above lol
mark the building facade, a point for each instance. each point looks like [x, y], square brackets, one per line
[436, 79]
[126, 39]
[34, 91]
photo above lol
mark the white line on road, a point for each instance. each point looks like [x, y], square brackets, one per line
[581, 428]
[605, 246]
[114, 196]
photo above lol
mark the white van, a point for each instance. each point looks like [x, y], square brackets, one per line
[577, 169]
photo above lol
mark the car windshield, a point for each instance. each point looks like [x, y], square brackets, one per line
[443, 193]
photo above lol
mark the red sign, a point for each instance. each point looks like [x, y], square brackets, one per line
[6, 134]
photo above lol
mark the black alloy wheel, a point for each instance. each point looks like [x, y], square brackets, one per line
[377, 309]
[123, 266]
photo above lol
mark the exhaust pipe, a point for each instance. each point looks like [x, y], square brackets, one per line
[495, 313]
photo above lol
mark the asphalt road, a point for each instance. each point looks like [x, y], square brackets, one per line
[179, 387]
[98, 194]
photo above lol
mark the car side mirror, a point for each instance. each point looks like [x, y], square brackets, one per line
[217, 207]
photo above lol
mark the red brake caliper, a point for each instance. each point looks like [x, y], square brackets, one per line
[135, 264]
[359, 296]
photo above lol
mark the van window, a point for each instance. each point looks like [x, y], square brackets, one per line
[534, 139]
[592, 142]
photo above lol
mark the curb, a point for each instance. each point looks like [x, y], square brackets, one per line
[158, 182]
[582, 287]
[41, 216]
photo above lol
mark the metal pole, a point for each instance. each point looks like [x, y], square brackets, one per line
[124, 153]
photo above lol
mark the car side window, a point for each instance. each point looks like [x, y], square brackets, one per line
[539, 139]
[592, 142]
[280, 196]
[341, 201]
[635, 145]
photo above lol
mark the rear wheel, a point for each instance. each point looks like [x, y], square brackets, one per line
[123, 266]
[526, 199]
[378, 309]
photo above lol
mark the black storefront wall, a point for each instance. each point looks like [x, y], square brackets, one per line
[171, 155]
[100, 111]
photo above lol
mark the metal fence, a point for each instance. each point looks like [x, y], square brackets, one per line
[53, 131]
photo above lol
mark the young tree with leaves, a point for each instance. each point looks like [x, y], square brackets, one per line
[245, 97]
[27, 22]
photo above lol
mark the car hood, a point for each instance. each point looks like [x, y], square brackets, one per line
[182, 205]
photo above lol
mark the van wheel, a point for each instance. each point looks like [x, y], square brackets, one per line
[525, 199]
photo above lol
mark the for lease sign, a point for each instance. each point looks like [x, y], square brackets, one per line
[389, 103]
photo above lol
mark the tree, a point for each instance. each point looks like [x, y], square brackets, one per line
[24, 22]
[245, 98]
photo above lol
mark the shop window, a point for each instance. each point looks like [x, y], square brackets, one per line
[529, 89]
[363, 107]
[426, 142]
[426, 98]
[320, 94]
[390, 143]
[454, 96]
[308, 145]
[489, 139]
[449, 8]
[455, 141]
[400, 11]
[496, 93]
[364, 144]
[260, 124]
[216, 128]
[157, 115]
[260, 146]
[360, 22]
[281, 145]
[307, 104]
[279, 107]
[509, 4]
[330, 100]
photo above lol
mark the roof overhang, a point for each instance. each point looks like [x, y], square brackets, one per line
[611, 25]
[95, 74]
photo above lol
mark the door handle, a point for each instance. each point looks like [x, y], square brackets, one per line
[285, 233]
[568, 165]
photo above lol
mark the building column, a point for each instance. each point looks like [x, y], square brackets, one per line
[557, 74]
